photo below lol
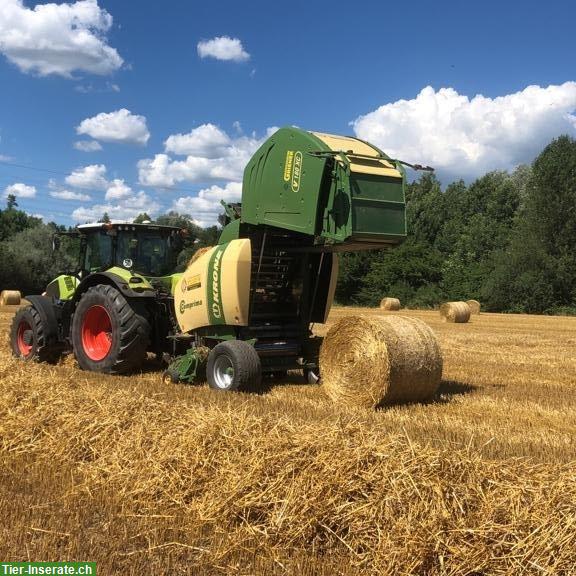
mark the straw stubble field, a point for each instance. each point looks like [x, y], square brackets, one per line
[146, 478]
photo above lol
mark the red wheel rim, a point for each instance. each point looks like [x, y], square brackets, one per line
[24, 348]
[96, 333]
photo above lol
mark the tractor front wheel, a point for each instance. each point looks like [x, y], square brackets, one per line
[28, 337]
[109, 333]
[233, 365]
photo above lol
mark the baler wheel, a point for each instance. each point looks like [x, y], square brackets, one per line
[109, 333]
[233, 365]
[28, 337]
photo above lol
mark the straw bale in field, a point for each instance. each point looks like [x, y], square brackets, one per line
[390, 304]
[474, 306]
[199, 253]
[371, 361]
[458, 312]
[10, 297]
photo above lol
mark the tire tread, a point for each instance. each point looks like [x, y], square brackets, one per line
[134, 333]
[247, 367]
[43, 352]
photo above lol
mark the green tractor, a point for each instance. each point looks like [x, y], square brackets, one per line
[114, 308]
[245, 307]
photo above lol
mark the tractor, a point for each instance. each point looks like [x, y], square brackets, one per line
[244, 308]
[114, 308]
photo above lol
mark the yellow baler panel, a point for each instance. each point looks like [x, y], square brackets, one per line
[222, 297]
[352, 146]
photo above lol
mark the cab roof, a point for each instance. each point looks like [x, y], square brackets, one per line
[120, 225]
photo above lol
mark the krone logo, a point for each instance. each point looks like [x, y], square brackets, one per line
[216, 304]
[296, 171]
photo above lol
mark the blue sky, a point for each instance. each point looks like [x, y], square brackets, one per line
[151, 106]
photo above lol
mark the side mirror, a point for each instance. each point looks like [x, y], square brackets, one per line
[55, 243]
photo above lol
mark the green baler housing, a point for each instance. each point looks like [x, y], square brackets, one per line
[344, 192]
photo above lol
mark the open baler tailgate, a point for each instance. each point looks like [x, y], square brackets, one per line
[340, 190]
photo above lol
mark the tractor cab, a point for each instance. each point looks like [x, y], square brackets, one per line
[132, 252]
[149, 250]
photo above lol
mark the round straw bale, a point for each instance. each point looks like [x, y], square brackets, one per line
[199, 253]
[474, 306]
[390, 304]
[455, 312]
[10, 298]
[375, 361]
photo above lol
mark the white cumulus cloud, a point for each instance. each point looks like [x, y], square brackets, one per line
[20, 190]
[466, 137]
[87, 145]
[70, 195]
[124, 209]
[91, 177]
[205, 207]
[223, 48]
[206, 141]
[57, 38]
[212, 155]
[120, 126]
[118, 189]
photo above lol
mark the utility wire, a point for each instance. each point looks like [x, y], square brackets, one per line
[58, 173]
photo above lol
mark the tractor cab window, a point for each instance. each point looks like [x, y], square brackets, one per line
[98, 254]
[149, 254]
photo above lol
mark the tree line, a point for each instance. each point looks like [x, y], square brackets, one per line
[506, 239]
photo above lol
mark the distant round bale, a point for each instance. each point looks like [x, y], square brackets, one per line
[474, 306]
[10, 298]
[376, 361]
[390, 304]
[458, 312]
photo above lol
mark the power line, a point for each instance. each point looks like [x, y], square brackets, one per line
[32, 168]
[59, 173]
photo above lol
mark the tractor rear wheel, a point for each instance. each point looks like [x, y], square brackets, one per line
[28, 337]
[233, 365]
[109, 333]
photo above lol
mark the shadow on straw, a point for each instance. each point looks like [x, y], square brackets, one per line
[450, 388]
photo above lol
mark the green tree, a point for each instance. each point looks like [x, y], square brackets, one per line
[410, 272]
[537, 273]
[191, 239]
[11, 202]
[478, 230]
[424, 208]
[13, 221]
[353, 267]
[142, 217]
[209, 236]
[28, 263]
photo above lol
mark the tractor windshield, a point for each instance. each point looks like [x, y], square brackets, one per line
[98, 252]
[149, 253]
